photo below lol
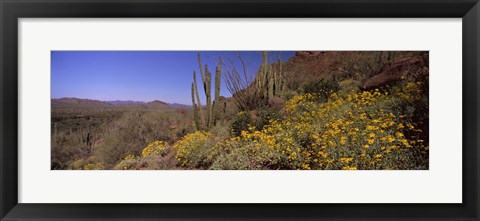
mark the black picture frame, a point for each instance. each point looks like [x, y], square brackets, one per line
[12, 10]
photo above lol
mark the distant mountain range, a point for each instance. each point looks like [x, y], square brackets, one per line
[118, 104]
[125, 102]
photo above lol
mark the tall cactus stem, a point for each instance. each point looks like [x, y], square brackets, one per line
[218, 75]
[195, 109]
[199, 103]
[208, 94]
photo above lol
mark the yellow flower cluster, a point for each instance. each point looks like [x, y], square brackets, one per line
[129, 157]
[154, 148]
[411, 91]
[347, 132]
[190, 149]
[93, 166]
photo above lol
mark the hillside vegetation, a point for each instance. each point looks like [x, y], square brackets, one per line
[318, 110]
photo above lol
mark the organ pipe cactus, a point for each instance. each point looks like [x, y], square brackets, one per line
[210, 114]
[270, 79]
[196, 117]
[208, 94]
[200, 116]
[218, 74]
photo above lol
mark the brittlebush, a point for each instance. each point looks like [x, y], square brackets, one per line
[154, 148]
[366, 130]
[153, 157]
[193, 149]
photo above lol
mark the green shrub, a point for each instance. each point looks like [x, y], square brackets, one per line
[194, 150]
[151, 162]
[365, 131]
[242, 121]
[321, 88]
[155, 148]
[238, 155]
[264, 116]
[221, 130]
[349, 85]
[157, 155]
[289, 94]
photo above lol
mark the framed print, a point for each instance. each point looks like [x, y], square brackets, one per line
[239, 110]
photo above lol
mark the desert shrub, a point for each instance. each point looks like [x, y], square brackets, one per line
[116, 146]
[193, 150]
[264, 116]
[77, 164]
[114, 134]
[90, 163]
[134, 130]
[228, 110]
[237, 154]
[289, 94]
[151, 162]
[130, 162]
[155, 148]
[242, 121]
[365, 130]
[93, 166]
[363, 65]
[164, 125]
[414, 101]
[360, 126]
[261, 117]
[349, 85]
[320, 89]
[65, 154]
[220, 130]
[155, 156]
[182, 132]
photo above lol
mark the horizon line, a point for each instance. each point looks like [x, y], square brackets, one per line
[51, 98]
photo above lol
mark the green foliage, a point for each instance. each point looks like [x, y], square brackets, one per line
[242, 121]
[166, 161]
[72, 126]
[349, 85]
[365, 131]
[258, 119]
[264, 116]
[221, 130]
[321, 88]
[184, 131]
[289, 94]
[235, 155]
[123, 133]
[194, 150]
[157, 155]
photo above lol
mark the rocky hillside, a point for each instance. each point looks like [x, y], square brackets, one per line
[306, 66]
[70, 102]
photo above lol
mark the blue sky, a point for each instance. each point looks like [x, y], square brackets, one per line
[139, 75]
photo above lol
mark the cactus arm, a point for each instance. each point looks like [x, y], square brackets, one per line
[199, 103]
[195, 109]
[202, 73]
[271, 83]
[218, 74]
[208, 90]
